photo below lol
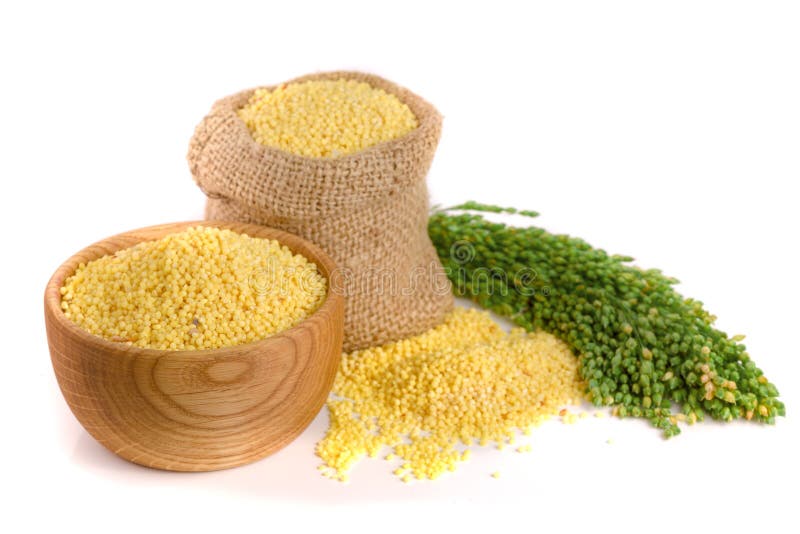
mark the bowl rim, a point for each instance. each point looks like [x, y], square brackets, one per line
[52, 294]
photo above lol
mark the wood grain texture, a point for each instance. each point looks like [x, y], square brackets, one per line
[198, 410]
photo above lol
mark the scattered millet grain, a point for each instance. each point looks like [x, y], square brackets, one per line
[201, 288]
[325, 118]
[569, 418]
[461, 382]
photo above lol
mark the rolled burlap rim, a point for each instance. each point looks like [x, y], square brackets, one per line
[227, 163]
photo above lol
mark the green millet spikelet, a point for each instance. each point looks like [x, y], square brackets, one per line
[643, 348]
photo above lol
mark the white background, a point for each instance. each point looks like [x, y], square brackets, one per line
[664, 130]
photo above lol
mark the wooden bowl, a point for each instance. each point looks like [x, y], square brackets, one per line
[196, 410]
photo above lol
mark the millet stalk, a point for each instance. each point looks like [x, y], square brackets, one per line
[643, 348]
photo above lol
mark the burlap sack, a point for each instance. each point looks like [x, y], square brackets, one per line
[368, 210]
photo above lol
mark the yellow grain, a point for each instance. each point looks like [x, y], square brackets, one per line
[202, 288]
[325, 118]
[461, 382]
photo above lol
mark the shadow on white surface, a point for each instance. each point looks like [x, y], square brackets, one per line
[89, 454]
[290, 474]
[566, 460]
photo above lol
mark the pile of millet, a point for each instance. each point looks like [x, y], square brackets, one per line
[432, 397]
[325, 118]
[202, 288]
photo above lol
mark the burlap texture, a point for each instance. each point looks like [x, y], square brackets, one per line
[367, 210]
